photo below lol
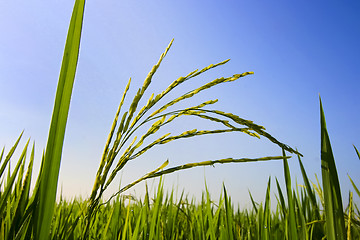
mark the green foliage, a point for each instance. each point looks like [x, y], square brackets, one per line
[164, 217]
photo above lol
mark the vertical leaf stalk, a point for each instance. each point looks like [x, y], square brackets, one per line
[49, 176]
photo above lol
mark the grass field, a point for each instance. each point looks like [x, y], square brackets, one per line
[303, 214]
[312, 211]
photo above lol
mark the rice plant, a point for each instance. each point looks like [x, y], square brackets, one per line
[311, 211]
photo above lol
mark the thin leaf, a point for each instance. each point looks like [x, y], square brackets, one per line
[6, 194]
[9, 155]
[335, 225]
[48, 183]
[19, 219]
[309, 190]
[357, 152]
[293, 234]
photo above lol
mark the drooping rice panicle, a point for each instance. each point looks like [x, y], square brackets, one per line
[212, 162]
[142, 90]
[257, 128]
[106, 149]
[196, 91]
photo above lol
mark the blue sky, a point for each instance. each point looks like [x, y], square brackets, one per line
[297, 50]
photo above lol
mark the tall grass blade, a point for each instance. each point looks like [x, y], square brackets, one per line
[335, 225]
[355, 187]
[9, 155]
[228, 215]
[126, 231]
[49, 177]
[156, 216]
[309, 190]
[2, 154]
[265, 228]
[20, 218]
[350, 216]
[293, 234]
[281, 199]
[253, 203]
[301, 202]
[6, 196]
[352, 182]
[137, 228]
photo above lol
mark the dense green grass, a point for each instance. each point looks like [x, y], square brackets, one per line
[310, 212]
[163, 216]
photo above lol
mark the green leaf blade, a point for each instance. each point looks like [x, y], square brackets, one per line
[335, 225]
[49, 176]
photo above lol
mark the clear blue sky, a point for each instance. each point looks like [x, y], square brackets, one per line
[297, 50]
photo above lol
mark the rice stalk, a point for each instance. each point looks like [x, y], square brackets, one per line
[133, 120]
